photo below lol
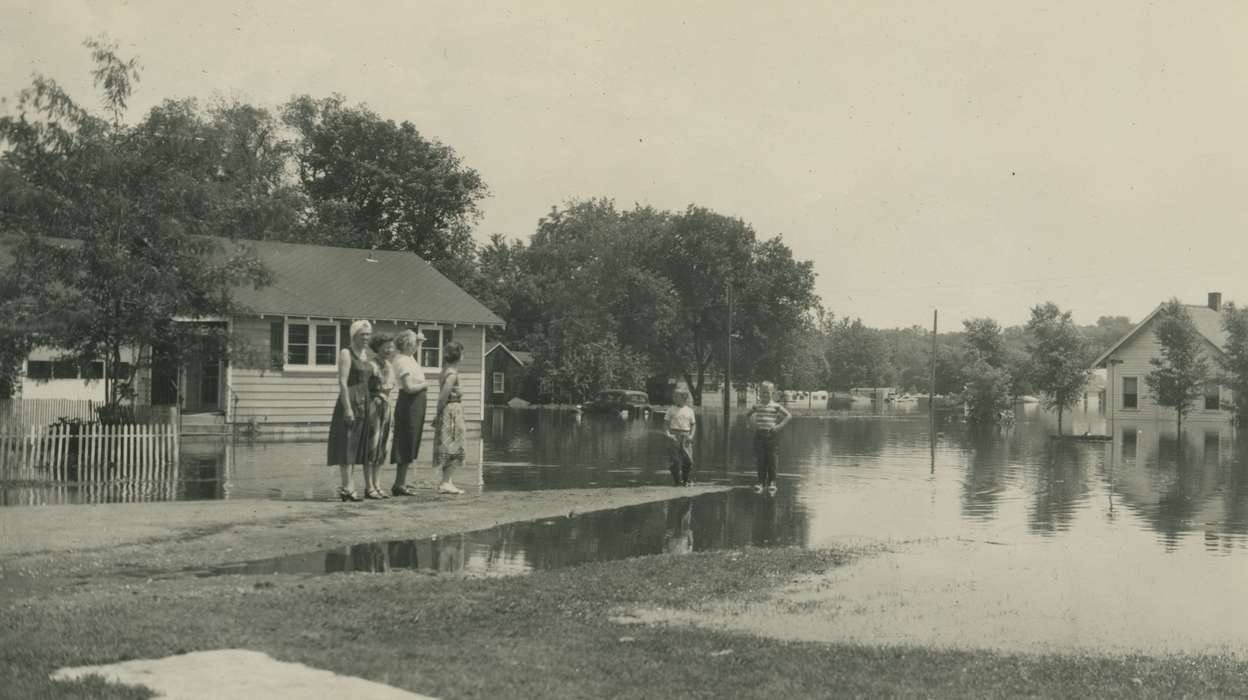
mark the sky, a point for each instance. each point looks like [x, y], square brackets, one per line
[974, 158]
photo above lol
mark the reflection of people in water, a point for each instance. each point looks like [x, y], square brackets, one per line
[678, 537]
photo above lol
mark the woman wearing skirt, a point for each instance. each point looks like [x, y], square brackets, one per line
[349, 428]
[409, 412]
[448, 447]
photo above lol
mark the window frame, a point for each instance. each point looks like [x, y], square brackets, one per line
[1135, 400]
[420, 359]
[1216, 396]
[313, 324]
[499, 383]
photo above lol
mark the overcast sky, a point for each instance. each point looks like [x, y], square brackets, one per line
[976, 157]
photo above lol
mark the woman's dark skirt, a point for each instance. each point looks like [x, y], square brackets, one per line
[409, 423]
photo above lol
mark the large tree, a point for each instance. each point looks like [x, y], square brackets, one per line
[857, 356]
[1058, 363]
[1234, 362]
[989, 382]
[1180, 372]
[376, 183]
[141, 205]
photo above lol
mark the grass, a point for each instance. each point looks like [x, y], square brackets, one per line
[543, 635]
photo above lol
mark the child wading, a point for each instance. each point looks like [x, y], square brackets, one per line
[681, 425]
[768, 418]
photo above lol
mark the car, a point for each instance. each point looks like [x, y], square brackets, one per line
[619, 401]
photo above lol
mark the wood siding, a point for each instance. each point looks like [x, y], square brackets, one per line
[1132, 360]
[299, 396]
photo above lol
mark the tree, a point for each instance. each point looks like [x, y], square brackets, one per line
[988, 379]
[857, 356]
[1181, 370]
[374, 183]
[1234, 363]
[1057, 358]
[141, 205]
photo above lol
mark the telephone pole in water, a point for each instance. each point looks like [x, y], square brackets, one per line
[728, 374]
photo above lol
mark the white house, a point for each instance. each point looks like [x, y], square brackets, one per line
[1127, 363]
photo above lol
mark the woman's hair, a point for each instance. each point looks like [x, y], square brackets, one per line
[380, 339]
[406, 342]
[453, 351]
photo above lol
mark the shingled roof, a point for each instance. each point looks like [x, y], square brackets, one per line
[1207, 320]
[349, 283]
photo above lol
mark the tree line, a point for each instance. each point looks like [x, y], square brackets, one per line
[114, 228]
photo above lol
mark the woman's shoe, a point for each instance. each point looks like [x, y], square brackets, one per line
[403, 490]
[349, 495]
[450, 488]
[374, 494]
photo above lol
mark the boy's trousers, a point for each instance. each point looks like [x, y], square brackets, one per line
[765, 452]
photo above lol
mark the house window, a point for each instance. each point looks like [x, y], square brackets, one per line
[93, 370]
[39, 369]
[1212, 398]
[1130, 392]
[431, 349]
[311, 345]
[64, 369]
[500, 380]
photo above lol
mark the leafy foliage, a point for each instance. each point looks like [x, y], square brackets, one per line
[1235, 362]
[1182, 369]
[1057, 355]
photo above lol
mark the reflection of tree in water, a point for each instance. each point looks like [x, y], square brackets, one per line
[1178, 485]
[1235, 494]
[1061, 485]
[985, 474]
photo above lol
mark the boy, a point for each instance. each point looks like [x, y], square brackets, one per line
[681, 424]
[768, 419]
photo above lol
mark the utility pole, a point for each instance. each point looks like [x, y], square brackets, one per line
[931, 395]
[728, 376]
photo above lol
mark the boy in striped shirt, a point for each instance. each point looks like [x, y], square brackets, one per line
[768, 418]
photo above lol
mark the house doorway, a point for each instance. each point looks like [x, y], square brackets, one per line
[202, 382]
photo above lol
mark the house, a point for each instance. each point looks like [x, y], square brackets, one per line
[282, 377]
[506, 373]
[1126, 364]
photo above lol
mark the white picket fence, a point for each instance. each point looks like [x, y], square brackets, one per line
[96, 454]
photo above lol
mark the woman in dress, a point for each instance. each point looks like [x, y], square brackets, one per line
[348, 429]
[448, 424]
[409, 412]
[379, 413]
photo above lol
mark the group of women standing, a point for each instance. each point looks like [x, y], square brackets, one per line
[369, 370]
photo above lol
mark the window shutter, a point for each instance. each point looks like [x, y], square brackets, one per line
[344, 335]
[277, 345]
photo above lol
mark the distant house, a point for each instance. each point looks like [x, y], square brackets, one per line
[285, 380]
[1127, 363]
[506, 375]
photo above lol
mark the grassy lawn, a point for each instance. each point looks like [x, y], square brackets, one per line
[542, 635]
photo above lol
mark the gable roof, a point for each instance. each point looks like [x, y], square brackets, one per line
[521, 358]
[348, 283]
[1208, 322]
[344, 283]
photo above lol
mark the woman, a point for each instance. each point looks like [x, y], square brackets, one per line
[348, 429]
[409, 412]
[448, 424]
[379, 413]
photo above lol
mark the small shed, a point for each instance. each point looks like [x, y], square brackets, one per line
[507, 376]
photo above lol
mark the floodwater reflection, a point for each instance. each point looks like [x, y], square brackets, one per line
[712, 521]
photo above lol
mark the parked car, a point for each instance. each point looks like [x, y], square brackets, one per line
[619, 401]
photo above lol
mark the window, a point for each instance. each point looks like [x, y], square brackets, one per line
[64, 369]
[1212, 398]
[311, 345]
[1130, 392]
[39, 369]
[431, 349]
[93, 370]
[123, 370]
[500, 380]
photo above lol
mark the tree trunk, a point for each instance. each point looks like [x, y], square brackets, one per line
[1059, 420]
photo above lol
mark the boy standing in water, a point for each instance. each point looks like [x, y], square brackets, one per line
[768, 418]
[681, 424]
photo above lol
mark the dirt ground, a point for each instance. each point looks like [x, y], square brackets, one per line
[45, 546]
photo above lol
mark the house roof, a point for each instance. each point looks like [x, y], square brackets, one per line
[1208, 322]
[347, 283]
[313, 280]
[521, 358]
